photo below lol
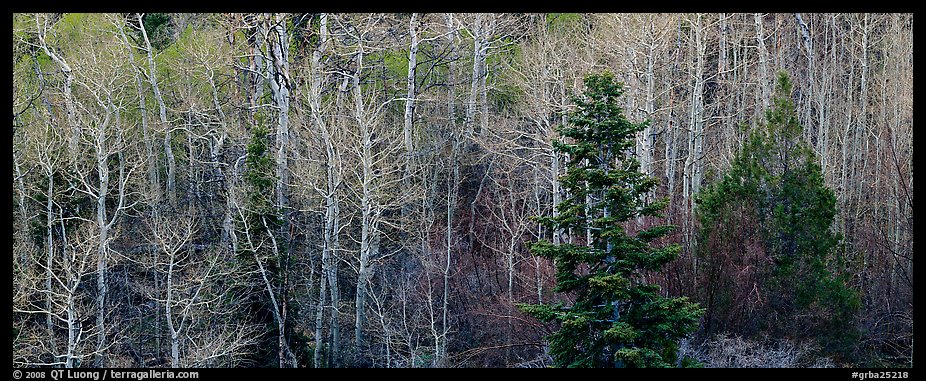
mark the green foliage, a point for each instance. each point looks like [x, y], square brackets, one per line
[259, 172]
[775, 186]
[562, 21]
[617, 319]
[159, 29]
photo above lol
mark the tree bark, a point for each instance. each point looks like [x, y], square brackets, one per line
[369, 230]
[162, 113]
[763, 80]
[410, 90]
[278, 68]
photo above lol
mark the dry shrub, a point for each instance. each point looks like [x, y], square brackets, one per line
[726, 351]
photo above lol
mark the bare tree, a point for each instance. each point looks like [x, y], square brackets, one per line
[162, 113]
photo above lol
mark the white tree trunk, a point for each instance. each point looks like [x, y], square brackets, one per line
[369, 209]
[477, 74]
[764, 89]
[696, 117]
[278, 68]
[102, 169]
[162, 113]
[71, 109]
[315, 106]
[452, 195]
[153, 176]
[410, 88]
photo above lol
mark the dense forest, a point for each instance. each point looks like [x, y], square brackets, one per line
[462, 190]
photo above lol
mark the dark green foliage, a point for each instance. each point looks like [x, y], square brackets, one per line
[617, 319]
[771, 217]
[259, 175]
[159, 29]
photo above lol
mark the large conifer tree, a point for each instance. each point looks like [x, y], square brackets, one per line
[617, 318]
[769, 254]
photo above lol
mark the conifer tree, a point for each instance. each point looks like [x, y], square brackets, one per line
[617, 319]
[798, 278]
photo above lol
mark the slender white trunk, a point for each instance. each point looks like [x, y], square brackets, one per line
[320, 319]
[168, 313]
[162, 113]
[484, 73]
[764, 90]
[70, 107]
[74, 327]
[859, 154]
[153, 177]
[811, 74]
[369, 229]
[410, 85]
[102, 169]
[452, 194]
[647, 136]
[315, 105]
[287, 359]
[477, 74]
[50, 255]
[696, 117]
[278, 67]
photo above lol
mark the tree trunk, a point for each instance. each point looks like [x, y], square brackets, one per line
[286, 357]
[452, 195]
[70, 107]
[50, 256]
[811, 74]
[369, 215]
[477, 74]
[693, 162]
[278, 68]
[168, 312]
[153, 177]
[102, 169]
[647, 136]
[162, 113]
[410, 92]
[763, 80]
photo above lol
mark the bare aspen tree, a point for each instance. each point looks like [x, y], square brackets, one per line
[861, 131]
[285, 355]
[811, 73]
[693, 161]
[480, 33]
[44, 148]
[646, 140]
[69, 103]
[162, 113]
[370, 211]
[486, 32]
[154, 187]
[69, 308]
[672, 123]
[186, 277]
[278, 69]
[329, 194]
[724, 73]
[332, 198]
[105, 135]
[764, 93]
[410, 86]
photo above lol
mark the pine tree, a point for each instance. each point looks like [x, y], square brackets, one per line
[259, 173]
[617, 319]
[798, 287]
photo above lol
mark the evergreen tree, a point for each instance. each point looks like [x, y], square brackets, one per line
[774, 188]
[617, 318]
[259, 174]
